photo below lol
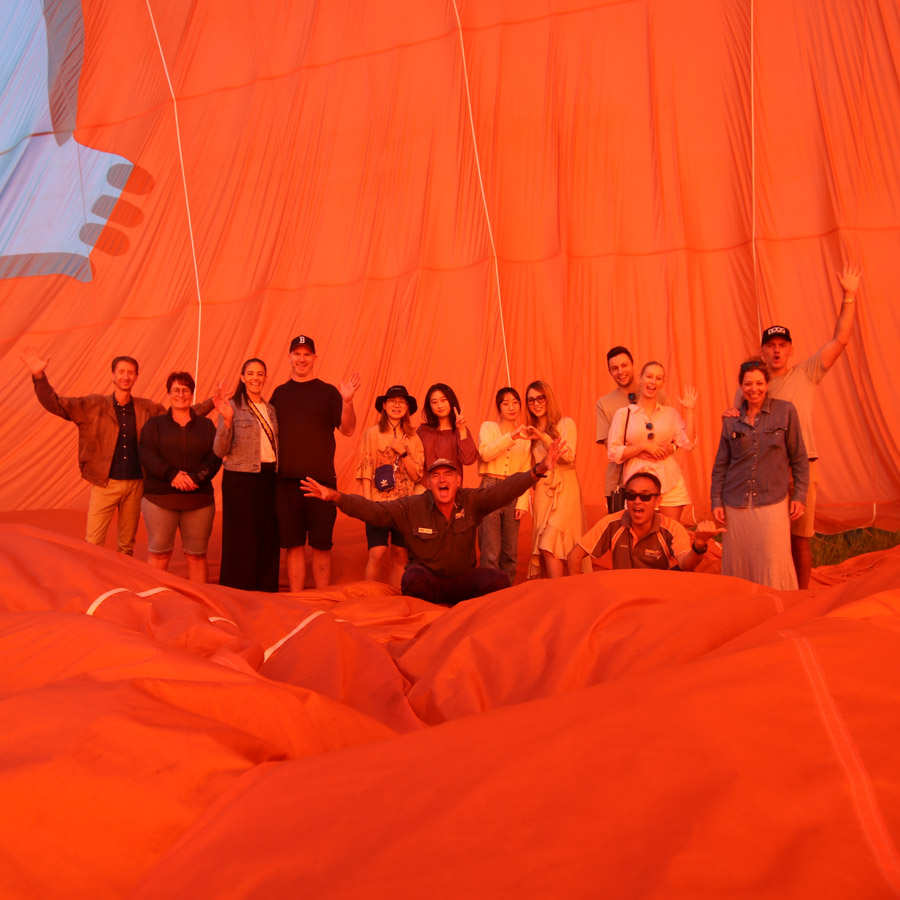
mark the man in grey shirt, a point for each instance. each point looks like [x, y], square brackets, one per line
[620, 363]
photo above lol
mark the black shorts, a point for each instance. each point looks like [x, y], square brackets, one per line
[303, 518]
[378, 537]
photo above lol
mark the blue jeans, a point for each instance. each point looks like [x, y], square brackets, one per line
[498, 535]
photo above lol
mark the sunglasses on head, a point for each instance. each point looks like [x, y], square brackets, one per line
[642, 496]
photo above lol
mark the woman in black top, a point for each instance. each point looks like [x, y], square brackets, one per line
[176, 451]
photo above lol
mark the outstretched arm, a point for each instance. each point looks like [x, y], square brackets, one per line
[706, 531]
[70, 408]
[312, 488]
[849, 279]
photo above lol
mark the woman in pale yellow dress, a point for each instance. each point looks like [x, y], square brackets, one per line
[559, 519]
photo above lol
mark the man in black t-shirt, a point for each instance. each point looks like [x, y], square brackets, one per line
[309, 410]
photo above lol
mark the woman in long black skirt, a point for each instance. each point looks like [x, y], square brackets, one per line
[247, 439]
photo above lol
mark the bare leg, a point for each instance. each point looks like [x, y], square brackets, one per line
[801, 551]
[198, 567]
[673, 512]
[553, 567]
[321, 566]
[399, 559]
[374, 563]
[295, 558]
[159, 560]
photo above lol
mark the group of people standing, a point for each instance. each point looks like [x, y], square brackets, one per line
[763, 485]
[279, 483]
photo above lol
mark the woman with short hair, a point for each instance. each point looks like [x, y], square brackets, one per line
[176, 453]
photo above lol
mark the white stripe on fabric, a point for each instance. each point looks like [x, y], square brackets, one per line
[290, 634]
[94, 606]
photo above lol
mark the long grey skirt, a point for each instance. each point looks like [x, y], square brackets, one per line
[757, 545]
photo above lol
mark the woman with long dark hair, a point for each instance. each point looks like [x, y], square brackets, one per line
[444, 433]
[247, 439]
[504, 449]
[559, 519]
[391, 462]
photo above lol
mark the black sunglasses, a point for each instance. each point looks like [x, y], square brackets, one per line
[634, 495]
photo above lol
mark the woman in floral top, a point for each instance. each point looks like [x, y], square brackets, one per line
[391, 461]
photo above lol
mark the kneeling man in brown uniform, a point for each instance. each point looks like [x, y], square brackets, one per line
[439, 527]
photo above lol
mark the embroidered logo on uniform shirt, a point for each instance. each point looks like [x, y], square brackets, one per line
[425, 531]
[653, 554]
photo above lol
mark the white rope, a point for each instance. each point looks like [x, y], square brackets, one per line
[487, 214]
[753, 174]
[187, 204]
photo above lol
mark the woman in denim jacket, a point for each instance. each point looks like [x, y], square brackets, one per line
[759, 483]
[247, 439]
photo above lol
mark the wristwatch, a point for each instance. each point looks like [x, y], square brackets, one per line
[537, 474]
[698, 551]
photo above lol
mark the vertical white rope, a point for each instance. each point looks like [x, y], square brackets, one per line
[487, 214]
[187, 203]
[753, 173]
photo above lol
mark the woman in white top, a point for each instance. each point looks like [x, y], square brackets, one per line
[645, 435]
[247, 439]
[558, 510]
[503, 449]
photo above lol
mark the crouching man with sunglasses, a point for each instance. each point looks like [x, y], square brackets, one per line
[638, 537]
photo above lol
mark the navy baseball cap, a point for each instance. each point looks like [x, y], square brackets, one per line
[302, 340]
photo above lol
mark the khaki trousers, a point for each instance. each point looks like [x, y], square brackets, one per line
[124, 496]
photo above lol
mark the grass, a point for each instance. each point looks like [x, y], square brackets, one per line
[830, 549]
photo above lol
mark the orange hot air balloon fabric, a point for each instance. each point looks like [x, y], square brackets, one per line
[617, 734]
[465, 192]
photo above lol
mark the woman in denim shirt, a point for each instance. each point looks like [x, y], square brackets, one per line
[247, 439]
[759, 452]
